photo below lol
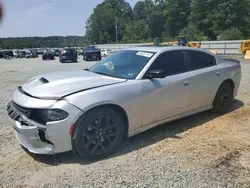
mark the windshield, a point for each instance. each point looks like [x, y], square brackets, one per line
[69, 50]
[92, 48]
[123, 64]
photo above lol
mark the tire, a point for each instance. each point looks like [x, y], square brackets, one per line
[223, 98]
[93, 143]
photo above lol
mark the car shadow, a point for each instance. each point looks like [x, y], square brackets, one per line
[149, 137]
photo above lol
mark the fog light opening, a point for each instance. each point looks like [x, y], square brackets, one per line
[42, 136]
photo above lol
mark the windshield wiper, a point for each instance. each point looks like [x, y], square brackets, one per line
[102, 73]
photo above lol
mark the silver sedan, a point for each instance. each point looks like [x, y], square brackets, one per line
[91, 111]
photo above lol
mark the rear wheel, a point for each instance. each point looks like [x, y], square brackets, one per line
[223, 98]
[98, 133]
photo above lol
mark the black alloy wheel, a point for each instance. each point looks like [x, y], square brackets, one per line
[223, 98]
[99, 134]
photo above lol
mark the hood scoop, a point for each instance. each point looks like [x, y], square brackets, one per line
[43, 80]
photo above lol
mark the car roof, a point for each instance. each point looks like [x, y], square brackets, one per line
[160, 49]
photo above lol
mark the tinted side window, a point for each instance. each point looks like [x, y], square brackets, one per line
[171, 62]
[199, 60]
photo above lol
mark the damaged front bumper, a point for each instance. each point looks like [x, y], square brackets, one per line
[49, 139]
[30, 138]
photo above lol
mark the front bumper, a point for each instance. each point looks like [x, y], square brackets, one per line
[51, 138]
[29, 138]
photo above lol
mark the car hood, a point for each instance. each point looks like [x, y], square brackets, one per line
[60, 84]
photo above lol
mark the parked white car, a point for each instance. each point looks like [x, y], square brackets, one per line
[91, 111]
[105, 53]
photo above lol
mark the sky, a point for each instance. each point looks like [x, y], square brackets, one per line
[46, 17]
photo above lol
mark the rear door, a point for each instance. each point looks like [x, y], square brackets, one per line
[169, 96]
[205, 80]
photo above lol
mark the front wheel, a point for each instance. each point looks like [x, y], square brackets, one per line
[98, 134]
[223, 98]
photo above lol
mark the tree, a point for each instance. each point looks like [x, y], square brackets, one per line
[177, 13]
[40, 42]
[231, 34]
[101, 25]
[231, 14]
[215, 16]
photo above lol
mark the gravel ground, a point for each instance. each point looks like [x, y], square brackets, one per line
[203, 150]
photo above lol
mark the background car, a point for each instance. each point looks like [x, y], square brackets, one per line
[57, 52]
[125, 94]
[33, 54]
[8, 54]
[40, 51]
[48, 55]
[68, 54]
[105, 53]
[92, 53]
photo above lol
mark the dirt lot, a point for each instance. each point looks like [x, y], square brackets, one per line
[204, 150]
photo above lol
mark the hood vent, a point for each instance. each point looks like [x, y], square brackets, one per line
[43, 80]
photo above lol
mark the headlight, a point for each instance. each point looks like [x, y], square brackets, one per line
[44, 116]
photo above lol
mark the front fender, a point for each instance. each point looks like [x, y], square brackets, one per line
[126, 95]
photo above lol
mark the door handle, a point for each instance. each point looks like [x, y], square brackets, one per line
[218, 73]
[186, 83]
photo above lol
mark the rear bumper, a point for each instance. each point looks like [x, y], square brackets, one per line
[48, 57]
[68, 58]
[93, 55]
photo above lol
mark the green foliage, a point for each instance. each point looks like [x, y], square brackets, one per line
[166, 19]
[149, 19]
[231, 34]
[194, 33]
[176, 13]
[213, 17]
[38, 42]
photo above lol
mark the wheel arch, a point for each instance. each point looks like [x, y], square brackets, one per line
[230, 81]
[116, 108]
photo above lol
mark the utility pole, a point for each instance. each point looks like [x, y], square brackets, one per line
[116, 30]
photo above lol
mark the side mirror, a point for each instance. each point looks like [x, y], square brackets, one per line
[155, 74]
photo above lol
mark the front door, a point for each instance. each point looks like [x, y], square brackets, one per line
[169, 96]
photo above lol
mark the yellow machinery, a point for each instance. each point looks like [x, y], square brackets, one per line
[157, 42]
[181, 41]
[247, 54]
[245, 45]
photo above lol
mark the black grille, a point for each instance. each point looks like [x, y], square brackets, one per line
[15, 111]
